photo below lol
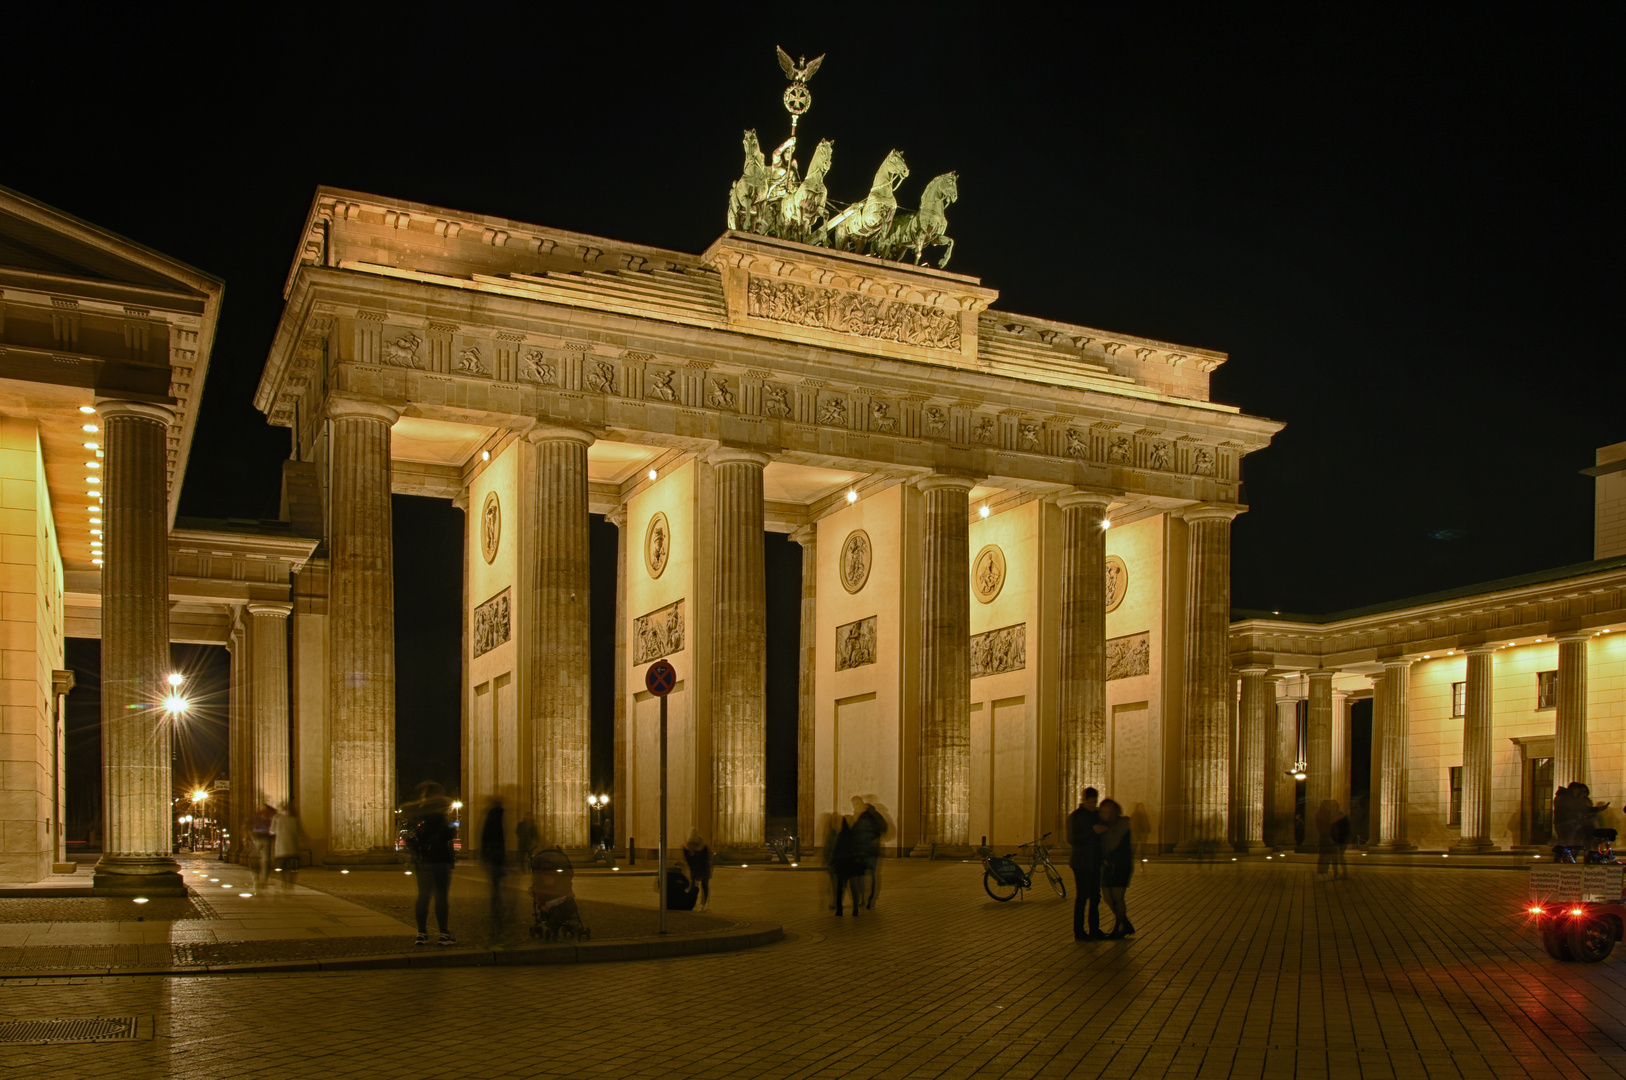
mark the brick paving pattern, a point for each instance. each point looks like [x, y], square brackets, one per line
[1246, 970]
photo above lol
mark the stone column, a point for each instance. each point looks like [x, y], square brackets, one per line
[268, 623]
[1374, 792]
[1082, 725]
[618, 518]
[1394, 761]
[361, 640]
[945, 664]
[1569, 749]
[137, 833]
[1207, 765]
[1340, 749]
[1281, 750]
[61, 683]
[239, 734]
[465, 778]
[1317, 755]
[1252, 796]
[806, 826]
[739, 670]
[1477, 714]
[561, 655]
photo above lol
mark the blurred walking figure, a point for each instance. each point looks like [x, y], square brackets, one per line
[1325, 815]
[1085, 859]
[525, 839]
[494, 854]
[868, 828]
[1340, 840]
[697, 856]
[429, 838]
[1117, 864]
[259, 828]
[846, 861]
[285, 844]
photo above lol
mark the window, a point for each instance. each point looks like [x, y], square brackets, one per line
[1454, 815]
[1459, 699]
[1546, 689]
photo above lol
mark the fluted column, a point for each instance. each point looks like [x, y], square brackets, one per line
[1207, 765]
[1318, 753]
[361, 634]
[808, 537]
[1257, 709]
[1281, 751]
[136, 785]
[268, 623]
[618, 518]
[561, 725]
[239, 754]
[1477, 715]
[1340, 749]
[1393, 763]
[1569, 750]
[739, 672]
[1082, 725]
[945, 663]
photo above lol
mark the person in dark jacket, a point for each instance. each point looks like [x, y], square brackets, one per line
[1117, 864]
[430, 840]
[846, 863]
[868, 828]
[494, 854]
[697, 855]
[1085, 860]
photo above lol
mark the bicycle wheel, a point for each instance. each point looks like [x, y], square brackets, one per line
[998, 889]
[1056, 882]
[1590, 940]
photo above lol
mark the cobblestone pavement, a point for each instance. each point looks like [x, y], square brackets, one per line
[1243, 970]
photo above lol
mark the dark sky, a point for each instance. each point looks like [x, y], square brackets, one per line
[1402, 224]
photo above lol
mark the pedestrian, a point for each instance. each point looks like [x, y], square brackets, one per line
[1340, 840]
[259, 829]
[1085, 860]
[430, 837]
[1117, 864]
[1574, 817]
[1324, 817]
[846, 863]
[868, 828]
[525, 840]
[285, 844]
[494, 854]
[697, 856]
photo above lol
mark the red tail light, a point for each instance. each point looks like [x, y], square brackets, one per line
[1536, 911]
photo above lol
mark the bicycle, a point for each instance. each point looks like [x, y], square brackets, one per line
[1004, 879]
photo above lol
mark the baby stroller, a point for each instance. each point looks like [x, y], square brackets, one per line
[553, 898]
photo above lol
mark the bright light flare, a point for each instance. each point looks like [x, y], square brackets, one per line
[1537, 911]
[176, 704]
[984, 511]
[199, 795]
[174, 678]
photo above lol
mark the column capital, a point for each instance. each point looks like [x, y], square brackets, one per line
[1210, 512]
[1253, 669]
[548, 433]
[1480, 650]
[1086, 499]
[805, 534]
[618, 516]
[1574, 635]
[277, 609]
[341, 407]
[729, 455]
[61, 681]
[1322, 673]
[939, 481]
[108, 408]
[1397, 664]
[461, 500]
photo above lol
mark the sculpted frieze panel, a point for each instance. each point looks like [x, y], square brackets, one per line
[853, 313]
[998, 651]
[857, 555]
[403, 351]
[1117, 583]
[470, 362]
[601, 377]
[988, 573]
[535, 368]
[658, 634]
[657, 545]
[855, 644]
[1129, 656]
[660, 387]
[492, 624]
[833, 411]
[775, 401]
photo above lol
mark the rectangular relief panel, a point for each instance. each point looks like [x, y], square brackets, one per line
[493, 624]
[658, 634]
[1129, 656]
[855, 644]
[998, 651]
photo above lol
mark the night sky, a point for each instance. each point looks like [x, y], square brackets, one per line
[1402, 225]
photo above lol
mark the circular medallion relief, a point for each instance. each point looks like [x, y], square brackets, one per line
[857, 554]
[988, 573]
[490, 526]
[1117, 582]
[657, 545]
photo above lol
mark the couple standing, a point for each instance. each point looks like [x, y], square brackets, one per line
[1103, 858]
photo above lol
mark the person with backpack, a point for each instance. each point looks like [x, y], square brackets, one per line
[430, 837]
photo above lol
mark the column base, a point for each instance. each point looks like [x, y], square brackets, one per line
[1473, 847]
[376, 859]
[1390, 847]
[1252, 847]
[1203, 849]
[137, 875]
[926, 850]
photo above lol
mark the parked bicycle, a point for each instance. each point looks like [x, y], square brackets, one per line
[1005, 879]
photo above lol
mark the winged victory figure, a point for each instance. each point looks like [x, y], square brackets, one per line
[801, 72]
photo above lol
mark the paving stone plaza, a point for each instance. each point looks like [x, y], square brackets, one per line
[1252, 969]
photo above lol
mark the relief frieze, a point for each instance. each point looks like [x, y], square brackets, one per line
[998, 651]
[1129, 656]
[658, 634]
[851, 313]
[855, 644]
[493, 625]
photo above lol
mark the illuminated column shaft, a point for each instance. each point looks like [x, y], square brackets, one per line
[1569, 751]
[268, 623]
[1478, 711]
[561, 726]
[945, 663]
[1281, 751]
[618, 518]
[1340, 749]
[1257, 710]
[136, 783]
[1392, 765]
[1207, 773]
[807, 536]
[739, 671]
[1318, 753]
[1082, 727]
[361, 642]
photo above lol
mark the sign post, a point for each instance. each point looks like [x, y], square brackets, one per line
[660, 680]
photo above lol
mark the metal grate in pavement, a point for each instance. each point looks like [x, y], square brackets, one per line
[70, 1030]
